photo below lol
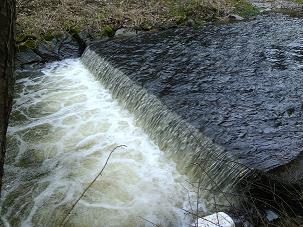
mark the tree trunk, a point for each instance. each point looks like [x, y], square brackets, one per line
[7, 55]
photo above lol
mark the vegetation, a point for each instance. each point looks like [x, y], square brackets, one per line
[244, 8]
[42, 19]
[299, 1]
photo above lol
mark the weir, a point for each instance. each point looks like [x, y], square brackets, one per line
[224, 101]
[195, 154]
[211, 120]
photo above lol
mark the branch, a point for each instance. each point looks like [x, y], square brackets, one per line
[83, 193]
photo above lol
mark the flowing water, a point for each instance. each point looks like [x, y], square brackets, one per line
[221, 101]
[226, 98]
[239, 84]
[63, 126]
[195, 154]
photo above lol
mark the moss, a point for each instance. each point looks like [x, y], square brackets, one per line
[179, 14]
[47, 36]
[198, 12]
[244, 8]
[28, 43]
[107, 30]
[146, 26]
[20, 37]
[71, 26]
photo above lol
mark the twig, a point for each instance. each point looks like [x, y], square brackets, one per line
[154, 224]
[197, 205]
[83, 193]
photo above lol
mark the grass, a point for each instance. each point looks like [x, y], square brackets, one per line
[244, 8]
[43, 19]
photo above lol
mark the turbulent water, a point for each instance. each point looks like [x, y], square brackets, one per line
[63, 127]
[226, 100]
[195, 154]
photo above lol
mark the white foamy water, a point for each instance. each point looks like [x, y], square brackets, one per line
[63, 127]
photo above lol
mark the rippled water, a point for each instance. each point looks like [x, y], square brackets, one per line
[63, 127]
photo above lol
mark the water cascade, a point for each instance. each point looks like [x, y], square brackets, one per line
[63, 127]
[195, 154]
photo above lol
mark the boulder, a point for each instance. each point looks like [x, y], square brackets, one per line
[235, 17]
[126, 32]
[57, 49]
[27, 57]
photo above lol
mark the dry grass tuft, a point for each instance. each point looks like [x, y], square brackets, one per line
[50, 17]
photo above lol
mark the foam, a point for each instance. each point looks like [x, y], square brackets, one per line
[63, 126]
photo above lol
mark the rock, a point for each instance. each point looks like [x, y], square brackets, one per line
[235, 17]
[271, 215]
[126, 32]
[68, 47]
[217, 219]
[27, 57]
[47, 52]
[85, 36]
[190, 23]
[59, 48]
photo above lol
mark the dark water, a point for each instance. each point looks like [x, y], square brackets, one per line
[240, 84]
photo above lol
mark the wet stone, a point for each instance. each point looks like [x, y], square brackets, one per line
[59, 48]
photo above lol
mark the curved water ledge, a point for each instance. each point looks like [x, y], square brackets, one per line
[196, 154]
[239, 84]
[226, 101]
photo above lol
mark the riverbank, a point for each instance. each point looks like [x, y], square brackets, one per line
[43, 20]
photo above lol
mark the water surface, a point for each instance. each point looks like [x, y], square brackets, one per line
[63, 126]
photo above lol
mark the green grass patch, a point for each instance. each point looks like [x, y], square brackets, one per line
[108, 30]
[244, 8]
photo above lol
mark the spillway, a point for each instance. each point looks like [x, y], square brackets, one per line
[225, 101]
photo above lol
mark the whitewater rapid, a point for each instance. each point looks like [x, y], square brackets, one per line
[63, 126]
